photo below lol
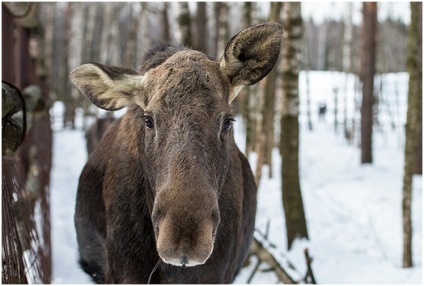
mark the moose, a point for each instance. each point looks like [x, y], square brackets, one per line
[166, 196]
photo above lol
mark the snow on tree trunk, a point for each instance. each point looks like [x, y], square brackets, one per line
[414, 67]
[289, 142]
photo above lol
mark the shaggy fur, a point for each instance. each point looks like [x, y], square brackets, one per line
[176, 142]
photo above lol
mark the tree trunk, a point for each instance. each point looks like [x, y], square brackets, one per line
[201, 31]
[268, 107]
[336, 109]
[222, 29]
[184, 22]
[419, 154]
[48, 25]
[97, 32]
[347, 55]
[69, 116]
[246, 95]
[109, 51]
[308, 101]
[368, 49]
[289, 142]
[414, 67]
[307, 65]
[132, 37]
[144, 40]
[166, 35]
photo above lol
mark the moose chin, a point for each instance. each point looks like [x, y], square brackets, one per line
[166, 196]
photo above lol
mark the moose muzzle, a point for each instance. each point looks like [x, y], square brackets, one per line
[185, 224]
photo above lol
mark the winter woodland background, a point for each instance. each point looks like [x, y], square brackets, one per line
[351, 193]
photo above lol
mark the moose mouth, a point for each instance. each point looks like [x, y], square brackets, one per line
[184, 246]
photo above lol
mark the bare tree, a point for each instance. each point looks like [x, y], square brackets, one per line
[184, 22]
[132, 35]
[266, 133]
[346, 61]
[97, 31]
[221, 24]
[200, 27]
[289, 142]
[166, 35]
[419, 151]
[246, 96]
[109, 52]
[69, 116]
[414, 66]
[368, 56]
[144, 40]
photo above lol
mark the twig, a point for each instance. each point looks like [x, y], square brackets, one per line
[255, 269]
[264, 255]
[309, 273]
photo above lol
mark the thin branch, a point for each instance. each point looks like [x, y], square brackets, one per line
[309, 273]
[264, 255]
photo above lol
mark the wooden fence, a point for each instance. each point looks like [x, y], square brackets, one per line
[26, 245]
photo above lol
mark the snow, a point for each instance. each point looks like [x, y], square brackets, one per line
[353, 211]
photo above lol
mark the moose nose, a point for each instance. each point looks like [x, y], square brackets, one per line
[180, 246]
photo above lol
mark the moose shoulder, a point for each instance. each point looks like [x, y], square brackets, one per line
[167, 186]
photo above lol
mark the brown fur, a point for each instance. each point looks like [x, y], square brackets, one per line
[202, 186]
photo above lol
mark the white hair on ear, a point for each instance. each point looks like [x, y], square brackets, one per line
[234, 92]
[103, 90]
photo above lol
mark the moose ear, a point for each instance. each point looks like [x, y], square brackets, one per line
[251, 54]
[110, 88]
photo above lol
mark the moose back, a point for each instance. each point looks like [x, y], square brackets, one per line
[167, 194]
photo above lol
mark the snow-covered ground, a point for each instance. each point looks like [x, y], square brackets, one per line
[353, 211]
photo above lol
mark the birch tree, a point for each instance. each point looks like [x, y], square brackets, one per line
[221, 25]
[289, 142]
[109, 52]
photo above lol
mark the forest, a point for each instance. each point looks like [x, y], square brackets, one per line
[333, 133]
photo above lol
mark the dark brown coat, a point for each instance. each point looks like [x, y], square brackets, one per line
[176, 144]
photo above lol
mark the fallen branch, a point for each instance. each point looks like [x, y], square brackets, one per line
[264, 255]
[309, 277]
[261, 248]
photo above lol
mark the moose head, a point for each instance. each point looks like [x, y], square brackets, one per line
[180, 102]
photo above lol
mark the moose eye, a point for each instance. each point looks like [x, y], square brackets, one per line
[226, 125]
[148, 121]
